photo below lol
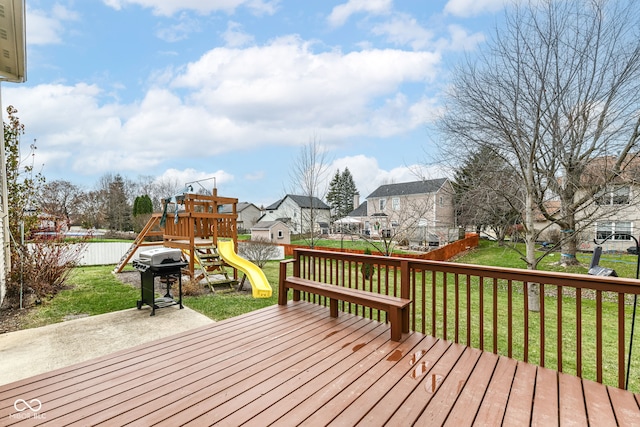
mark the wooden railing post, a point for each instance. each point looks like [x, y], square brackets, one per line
[405, 282]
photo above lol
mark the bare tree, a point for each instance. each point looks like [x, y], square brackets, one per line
[556, 88]
[308, 174]
[259, 251]
[61, 199]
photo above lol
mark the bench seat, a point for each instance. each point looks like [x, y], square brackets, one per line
[396, 308]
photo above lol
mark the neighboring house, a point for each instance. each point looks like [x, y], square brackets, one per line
[615, 213]
[274, 231]
[418, 211]
[302, 214]
[248, 214]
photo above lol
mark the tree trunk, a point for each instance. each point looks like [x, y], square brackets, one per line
[530, 241]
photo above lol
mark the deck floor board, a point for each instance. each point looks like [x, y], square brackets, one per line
[296, 365]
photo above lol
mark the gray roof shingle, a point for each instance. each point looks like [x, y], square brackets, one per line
[407, 188]
[305, 202]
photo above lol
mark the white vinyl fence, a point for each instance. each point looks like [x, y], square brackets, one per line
[105, 253]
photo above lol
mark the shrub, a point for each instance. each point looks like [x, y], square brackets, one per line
[259, 251]
[367, 268]
[41, 268]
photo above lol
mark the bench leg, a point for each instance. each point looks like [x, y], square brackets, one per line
[396, 321]
[333, 307]
[282, 295]
[296, 295]
[405, 320]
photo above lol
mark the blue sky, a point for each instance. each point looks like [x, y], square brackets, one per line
[191, 89]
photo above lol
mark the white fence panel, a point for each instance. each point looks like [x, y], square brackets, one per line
[106, 253]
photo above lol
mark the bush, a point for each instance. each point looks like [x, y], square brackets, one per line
[259, 251]
[367, 268]
[41, 269]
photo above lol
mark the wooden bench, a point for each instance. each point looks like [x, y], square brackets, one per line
[396, 308]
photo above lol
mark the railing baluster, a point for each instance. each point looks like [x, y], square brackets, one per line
[621, 341]
[424, 301]
[542, 319]
[525, 313]
[468, 310]
[481, 311]
[509, 318]
[433, 303]
[599, 336]
[495, 315]
[444, 305]
[457, 307]
[559, 327]
[579, 332]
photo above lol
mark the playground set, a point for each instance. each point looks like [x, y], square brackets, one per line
[207, 238]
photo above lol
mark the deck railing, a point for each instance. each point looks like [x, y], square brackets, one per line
[582, 327]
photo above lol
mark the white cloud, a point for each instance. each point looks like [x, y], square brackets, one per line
[341, 13]
[169, 7]
[460, 39]
[368, 175]
[228, 100]
[286, 85]
[467, 8]
[48, 27]
[234, 36]
[404, 30]
[190, 175]
[180, 30]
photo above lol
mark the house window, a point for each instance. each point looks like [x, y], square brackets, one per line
[613, 230]
[613, 196]
[280, 234]
[395, 203]
[441, 201]
[382, 204]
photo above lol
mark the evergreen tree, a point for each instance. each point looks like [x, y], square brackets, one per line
[342, 190]
[486, 194]
[333, 196]
[142, 205]
[349, 192]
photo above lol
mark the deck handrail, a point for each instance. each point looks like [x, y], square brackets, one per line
[486, 307]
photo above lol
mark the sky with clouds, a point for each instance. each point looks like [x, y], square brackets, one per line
[192, 89]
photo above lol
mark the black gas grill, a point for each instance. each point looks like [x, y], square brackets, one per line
[167, 265]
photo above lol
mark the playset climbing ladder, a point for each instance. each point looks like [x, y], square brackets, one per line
[211, 267]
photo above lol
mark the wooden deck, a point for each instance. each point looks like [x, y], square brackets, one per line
[297, 365]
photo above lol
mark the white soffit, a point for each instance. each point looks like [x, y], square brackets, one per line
[12, 41]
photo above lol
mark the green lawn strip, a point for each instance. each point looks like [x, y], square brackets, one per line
[90, 291]
[224, 305]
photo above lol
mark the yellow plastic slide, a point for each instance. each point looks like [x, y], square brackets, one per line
[259, 283]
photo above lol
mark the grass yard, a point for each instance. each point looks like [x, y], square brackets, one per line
[90, 291]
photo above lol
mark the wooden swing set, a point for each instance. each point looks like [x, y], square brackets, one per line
[194, 229]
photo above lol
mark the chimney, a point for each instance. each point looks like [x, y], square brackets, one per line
[356, 200]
